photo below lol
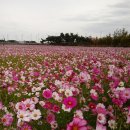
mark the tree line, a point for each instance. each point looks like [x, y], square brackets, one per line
[3, 41]
[120, 38]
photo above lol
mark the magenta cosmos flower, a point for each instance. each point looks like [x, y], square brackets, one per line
[50, 118]
[26, 126]
[47, 93]
[77, 124]
[70, 102]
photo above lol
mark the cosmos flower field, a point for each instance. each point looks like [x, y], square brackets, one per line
[64, 88]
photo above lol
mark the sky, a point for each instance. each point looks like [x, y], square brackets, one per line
[35, 19]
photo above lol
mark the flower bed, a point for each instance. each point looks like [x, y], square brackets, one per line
[64, 88]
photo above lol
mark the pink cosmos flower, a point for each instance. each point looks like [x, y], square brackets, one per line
[117, 102]
[53, 87]
[48, 105]
[1, 105]
[77, 124]
[26, 126]
[100, 127]
[128, 119]
[110, 111]
[20, 106]
[75, 79]
[101, 110]
[94, 97]
[69, 73]
[75, 92]
[50, 118]
[78, 114]
[70, 102]
[36, 74]
[66, 86]
[128, 116]
[84, 77]
[126, 93]
[101, 118]
[96, 71]
[94, 94]
[7, 120]
[56, 108]
[10, 89]
[47, 93]
[15, 78]
[29, 104]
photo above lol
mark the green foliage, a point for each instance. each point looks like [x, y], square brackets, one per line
[67, 39]
[64, 118]
[120, 38]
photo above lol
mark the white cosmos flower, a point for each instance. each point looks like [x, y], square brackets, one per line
[36, 114]
[23, 116]
[35, 100]
[111, 67]
[100, 105]
[55, 95]
[23, 78]
[54, 125]
[66, 109]
[58, 83]
[29, 94]
[61, 90]
[110, 73]
[38, 89]
[34, 89]
[121, 84]
[42, 103]
[37, 94]
[39, 78]
[120, 88]
[41, 85]
[92, 91]
[72, 89]
[84, 76]
[68, 93]
[60, 99]
[30, 83]
[78, 114]
[112, 124]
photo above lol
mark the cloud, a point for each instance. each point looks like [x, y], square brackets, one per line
[112, 11]
[125, 4]
[52, 17]
[106, 27]
[115, 16]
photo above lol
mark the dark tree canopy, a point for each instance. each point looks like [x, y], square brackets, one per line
[67, 39]
[120, 38]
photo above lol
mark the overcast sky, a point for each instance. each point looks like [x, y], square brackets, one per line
[33, 19]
